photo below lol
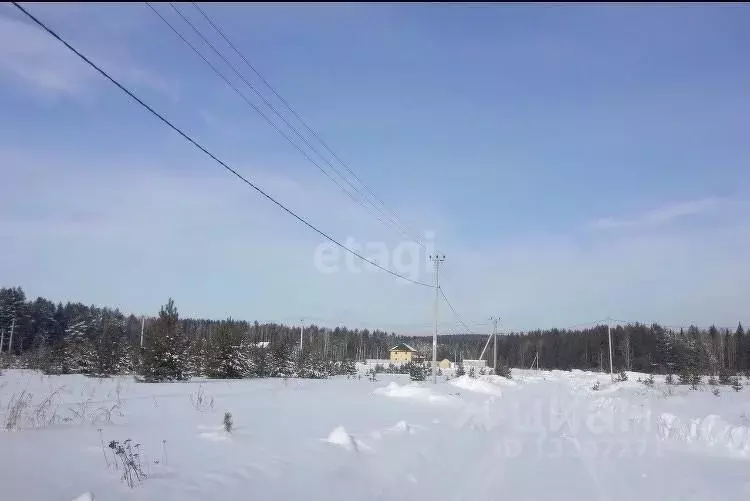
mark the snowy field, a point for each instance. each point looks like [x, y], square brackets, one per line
[539, 436]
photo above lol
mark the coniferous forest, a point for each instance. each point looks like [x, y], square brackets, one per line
[73, 338]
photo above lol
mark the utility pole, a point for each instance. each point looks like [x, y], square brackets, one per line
[436, 259]
[609, 336]
[143, 326]
[10, 342]
[494, 336]
[301, 334]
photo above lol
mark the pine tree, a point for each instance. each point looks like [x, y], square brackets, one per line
[229, 358]
[109, 345]
[504, 371]
[12, 312]
[664, 348]
[198, 353]
[280, 363]
[739, 339]
[460, 371]
[165, 352]
[77, 351]
[348, 367]
[472, 373]
[416, 372]
[713, 349]
[260, 358]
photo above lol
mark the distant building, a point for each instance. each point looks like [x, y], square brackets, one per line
[477, 364]
[445, 364]
[262, 344]
[402, 352]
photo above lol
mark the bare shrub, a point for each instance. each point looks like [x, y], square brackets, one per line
[202, 402]
[130, 460]
[228, 422]
[80, 410]
[45, 412]
[17, 406]
[104, 414]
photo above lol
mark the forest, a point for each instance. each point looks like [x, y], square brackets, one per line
[76, 338]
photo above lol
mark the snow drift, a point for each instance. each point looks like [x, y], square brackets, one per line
[412, 391]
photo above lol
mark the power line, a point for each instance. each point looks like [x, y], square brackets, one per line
[458, 317]
[221, 33]
[204, 150]
[221, 75]
[254, 107]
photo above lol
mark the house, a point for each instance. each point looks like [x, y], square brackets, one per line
[402, 352]
[445, 364]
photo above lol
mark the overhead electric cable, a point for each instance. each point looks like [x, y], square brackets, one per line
[286, 104]
[221, 75]
[192, 141]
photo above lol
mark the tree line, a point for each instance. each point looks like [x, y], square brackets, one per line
[76, 338]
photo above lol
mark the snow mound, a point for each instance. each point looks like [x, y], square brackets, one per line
[85, 497]
[617, 386]
[339, 436]
[413, 391]
[711, 430]
[404, 427]
[215, 436]
[498, 380]
[478, 417]
[476, 385]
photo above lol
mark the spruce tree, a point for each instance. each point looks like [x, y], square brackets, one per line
[348, 367]
[280, 362]
[229, 358]
[260, 358]
[78, 355]
[739, 340]
[109, 347]
[417, 372]
[165, 351]
[504, 371]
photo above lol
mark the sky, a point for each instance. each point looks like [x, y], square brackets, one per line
[572, 162]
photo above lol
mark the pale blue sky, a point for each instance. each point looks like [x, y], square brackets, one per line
[574, 162]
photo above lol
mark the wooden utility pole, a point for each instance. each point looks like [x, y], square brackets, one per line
[494, 337]
[10, 342]
[143, 326]
[436, 260]
[609, 335]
